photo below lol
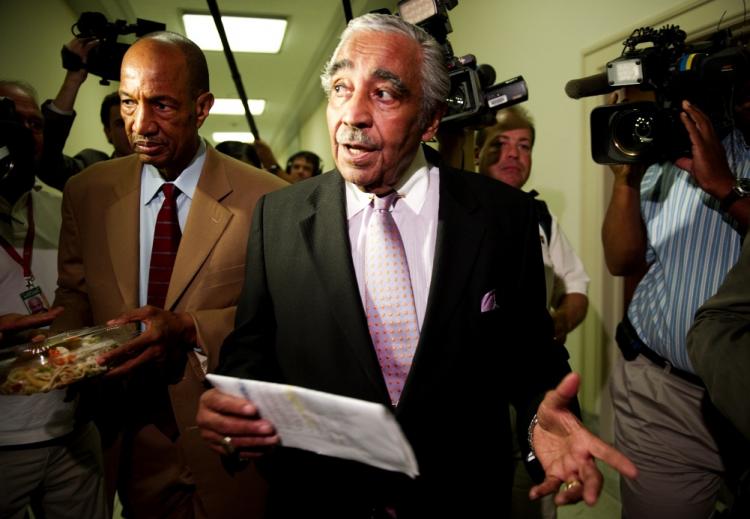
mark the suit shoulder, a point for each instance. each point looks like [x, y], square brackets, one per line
[486, 189]
[245, 177]
[306, 188]
[103, 174]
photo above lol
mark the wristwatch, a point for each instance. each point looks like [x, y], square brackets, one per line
[740, 189]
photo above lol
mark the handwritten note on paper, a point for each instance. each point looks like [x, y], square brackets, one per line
[328, 424]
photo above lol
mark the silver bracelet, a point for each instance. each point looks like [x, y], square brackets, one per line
[530, 438]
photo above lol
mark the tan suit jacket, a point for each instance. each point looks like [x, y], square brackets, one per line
[163, 457]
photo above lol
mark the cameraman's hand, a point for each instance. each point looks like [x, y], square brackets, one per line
[708, 164]
[628, 174]
[66, 96]
[81, 48]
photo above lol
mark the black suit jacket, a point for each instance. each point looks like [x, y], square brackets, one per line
[301, 321]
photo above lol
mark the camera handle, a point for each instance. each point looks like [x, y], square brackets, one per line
[70, 60]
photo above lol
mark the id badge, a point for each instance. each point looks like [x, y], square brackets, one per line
[34, 300]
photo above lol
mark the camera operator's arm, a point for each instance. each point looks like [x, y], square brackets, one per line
[66, 97]
[623, 232]
[708, 164]
[55, 168]
[569, 313]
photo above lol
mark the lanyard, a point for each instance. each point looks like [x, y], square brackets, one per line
[28, 247]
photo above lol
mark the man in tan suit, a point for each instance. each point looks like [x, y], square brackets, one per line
[110, 211]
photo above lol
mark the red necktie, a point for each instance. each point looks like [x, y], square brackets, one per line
[164, 251]
[391, 315]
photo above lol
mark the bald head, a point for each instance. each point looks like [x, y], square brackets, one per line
[194, 60]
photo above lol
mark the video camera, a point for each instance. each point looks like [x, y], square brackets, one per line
[105, 59]
[473, 98]
[16, 142]
[706, 73]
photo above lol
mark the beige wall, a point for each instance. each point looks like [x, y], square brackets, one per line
[31, 36]
[314, 137]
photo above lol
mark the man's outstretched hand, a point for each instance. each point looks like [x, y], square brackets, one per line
[12, 325]
[567, 450]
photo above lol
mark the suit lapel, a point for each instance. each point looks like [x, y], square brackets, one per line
[122, 220]
[206, 222]
[325, 232]
[459, 236]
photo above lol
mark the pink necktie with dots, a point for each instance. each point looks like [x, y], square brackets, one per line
[391, 315]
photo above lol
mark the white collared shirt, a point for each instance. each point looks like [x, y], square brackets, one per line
[416, 216]
[43, 416]
[151, 201]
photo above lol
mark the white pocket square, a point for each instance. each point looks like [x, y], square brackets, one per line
[488, 301]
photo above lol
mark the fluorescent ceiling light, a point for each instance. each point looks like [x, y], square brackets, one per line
[234, 106]
[244, 34]
[232, 136]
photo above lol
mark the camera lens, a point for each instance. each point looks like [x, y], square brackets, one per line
[456, 100]
[633, 131]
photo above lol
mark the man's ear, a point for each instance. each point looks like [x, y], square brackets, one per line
[202, 107]
[429, 132]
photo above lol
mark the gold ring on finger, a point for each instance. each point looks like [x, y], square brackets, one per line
[570, 484]
[226, 443]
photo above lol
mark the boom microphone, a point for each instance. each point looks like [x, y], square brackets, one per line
[595, 85]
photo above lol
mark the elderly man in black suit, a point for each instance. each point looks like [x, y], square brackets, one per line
[476, 333]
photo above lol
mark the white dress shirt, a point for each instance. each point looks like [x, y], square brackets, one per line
[151, 201]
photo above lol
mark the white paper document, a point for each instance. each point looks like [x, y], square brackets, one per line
[328, 424]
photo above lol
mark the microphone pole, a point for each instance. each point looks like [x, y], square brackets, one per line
[347, 10]
[233, 66]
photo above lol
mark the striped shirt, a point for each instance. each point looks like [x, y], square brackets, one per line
[691, 244]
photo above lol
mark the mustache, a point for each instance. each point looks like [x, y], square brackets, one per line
[140, 139]
[353, 136]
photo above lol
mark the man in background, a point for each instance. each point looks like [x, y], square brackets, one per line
[680, 222]
[503, 152]
[300, 166]
[158, 237]
[45, 451]
[55, 168]
[114, 126]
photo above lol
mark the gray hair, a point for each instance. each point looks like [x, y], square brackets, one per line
[435, 80]
[23, 86]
